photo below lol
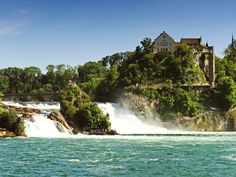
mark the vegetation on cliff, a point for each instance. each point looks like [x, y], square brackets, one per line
[164, 76]
[10, 121]
[80, 112]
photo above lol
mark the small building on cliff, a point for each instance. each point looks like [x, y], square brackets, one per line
[205, 55]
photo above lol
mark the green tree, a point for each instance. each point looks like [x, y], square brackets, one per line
[91, 117]
[1, 95]
[11, 122]
[225, 93]
[80, 112]
[146, 45]
[71, 99]
[230, 52]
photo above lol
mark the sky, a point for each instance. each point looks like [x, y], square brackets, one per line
[42, 32]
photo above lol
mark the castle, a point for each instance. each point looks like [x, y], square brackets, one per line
[205, 56]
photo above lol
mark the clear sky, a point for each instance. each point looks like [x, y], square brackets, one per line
[42, 32]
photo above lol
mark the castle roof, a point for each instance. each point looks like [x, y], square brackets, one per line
[191, 40]
[165, 33]
[177, 44]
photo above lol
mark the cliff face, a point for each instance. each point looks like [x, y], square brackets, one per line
[140, 105]
[208, 120]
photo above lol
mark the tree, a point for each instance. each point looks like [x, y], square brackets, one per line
[71, 99]
[106, 91]
[230, 51]
[146, 45]
[91, 117]
[80, 112]
[11, 122]
[90, 75]
[225, 93]
[31, 77]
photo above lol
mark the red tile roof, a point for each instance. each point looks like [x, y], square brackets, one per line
[191, 40]
[177, 44]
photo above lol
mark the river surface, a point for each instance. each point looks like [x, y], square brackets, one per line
[129, 156]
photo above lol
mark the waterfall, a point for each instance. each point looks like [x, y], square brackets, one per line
[124, 121]
[39, 125]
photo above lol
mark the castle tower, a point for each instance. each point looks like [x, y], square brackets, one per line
[232, 43]
[211, 66]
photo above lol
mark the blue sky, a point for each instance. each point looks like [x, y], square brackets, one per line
[42, 32]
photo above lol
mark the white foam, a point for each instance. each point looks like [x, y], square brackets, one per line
[40, 106]
[40, 126]
[124, 121]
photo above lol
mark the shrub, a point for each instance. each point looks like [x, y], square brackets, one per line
[77, 108]
[11, 122]
[91, 117]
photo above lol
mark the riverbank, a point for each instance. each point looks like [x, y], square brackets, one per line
[208, 119]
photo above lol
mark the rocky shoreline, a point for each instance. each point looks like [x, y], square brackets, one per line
[4, 133]
[207, 120]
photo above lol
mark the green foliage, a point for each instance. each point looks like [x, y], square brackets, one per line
[146, 45]
[150, 93]
[91, 117]
[148, 68]
[1, 95]
[107, 90]
[224, 68]
[105, 79]
[230, 52]
[71, 99]
[185, 102]
[175, 100]
[12, 122]
[77, 108]
[90, 75]
[225, 93]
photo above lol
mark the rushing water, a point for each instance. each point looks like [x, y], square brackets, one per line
[124, 121]
[129, 156]
[161, 152]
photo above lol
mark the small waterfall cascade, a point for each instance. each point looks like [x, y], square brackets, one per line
[39, 125]
[124, 121]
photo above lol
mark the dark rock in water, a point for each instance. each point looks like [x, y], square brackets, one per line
[32, 119]
[57, 116]
[61, 128]
[29, 116]
[101, 132]
[112, 132]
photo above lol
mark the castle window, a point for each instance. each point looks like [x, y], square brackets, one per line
[164, 43]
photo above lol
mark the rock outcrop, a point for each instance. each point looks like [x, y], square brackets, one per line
[61, 122]
[207, 120]
[140, 105]
[230, 119]
[4, 133]
[25, 112]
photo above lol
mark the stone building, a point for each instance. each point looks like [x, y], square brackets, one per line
[163, 43]
[204, 54]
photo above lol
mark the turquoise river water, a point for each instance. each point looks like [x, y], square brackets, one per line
[129, 156]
